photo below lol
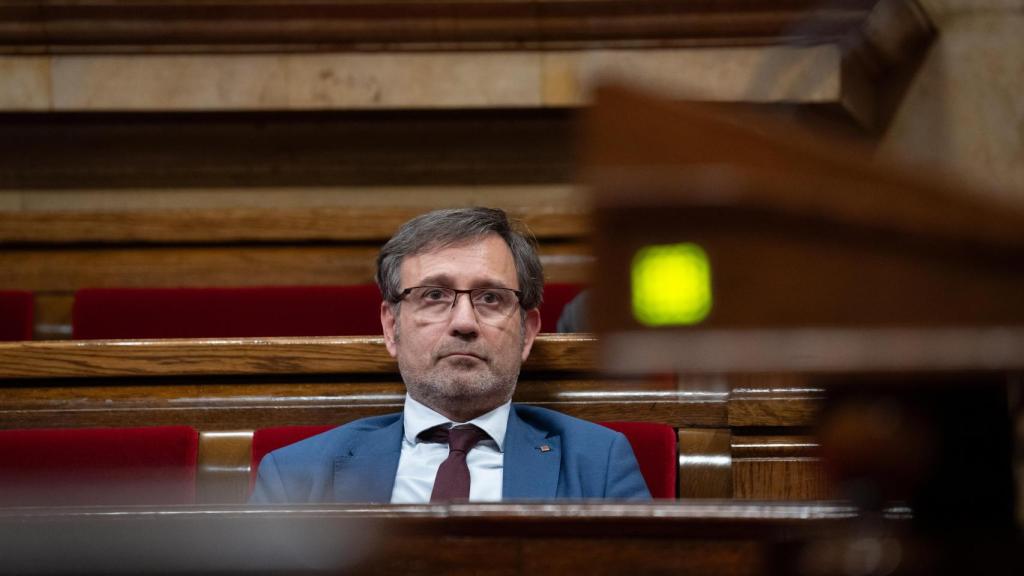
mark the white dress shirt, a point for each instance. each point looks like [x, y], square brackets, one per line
[420, 460]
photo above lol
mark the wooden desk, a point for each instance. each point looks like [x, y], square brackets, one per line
[582, 538]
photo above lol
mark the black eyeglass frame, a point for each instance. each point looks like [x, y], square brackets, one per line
[468, 293]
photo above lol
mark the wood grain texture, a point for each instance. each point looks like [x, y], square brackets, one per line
[705, 463]
[112, 358]
[785, 479]
[248, 225]
[775, 401]
[249, 403]
[65, 270]
[779, 467]
[252, 356]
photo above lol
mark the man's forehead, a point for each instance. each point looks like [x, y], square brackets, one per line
[484, 258]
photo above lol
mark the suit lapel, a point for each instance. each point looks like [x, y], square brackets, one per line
[532, 461]
[367, 472]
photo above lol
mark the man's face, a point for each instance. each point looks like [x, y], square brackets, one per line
[460, 367]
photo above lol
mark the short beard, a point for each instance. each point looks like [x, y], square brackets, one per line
[461, 397]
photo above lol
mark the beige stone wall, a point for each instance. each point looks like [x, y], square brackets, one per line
[964, 110]
[810, 74]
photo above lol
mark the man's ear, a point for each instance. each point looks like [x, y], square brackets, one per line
[387, 322]
[530, 329]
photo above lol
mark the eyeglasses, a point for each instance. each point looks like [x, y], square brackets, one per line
[435, 303]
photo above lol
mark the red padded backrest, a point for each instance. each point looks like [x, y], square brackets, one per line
[94, 466]
[267, 440]
[556, 296]
[653, 444]
[655, 448]
[16, 315]
[226, 312]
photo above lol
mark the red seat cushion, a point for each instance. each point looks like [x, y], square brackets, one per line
[655, 448]
[16, 315]
[226, 312]
[653, 444]
[94, 466]
[556, 296]
[266, 440]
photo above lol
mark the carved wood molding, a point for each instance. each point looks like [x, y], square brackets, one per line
[50, 26]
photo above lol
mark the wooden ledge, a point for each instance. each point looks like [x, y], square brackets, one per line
[448, 516]
[246, 356]
[54, 26]
[834, 351]
[187, 226]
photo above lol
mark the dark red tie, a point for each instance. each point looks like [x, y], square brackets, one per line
[452, 480]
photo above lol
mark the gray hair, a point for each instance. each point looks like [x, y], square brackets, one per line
[442, 228]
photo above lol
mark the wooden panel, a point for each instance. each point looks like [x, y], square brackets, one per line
[779, 468]
[650, 400]
[334, 399]
[705, 463]
[299, 149]
[562, 556]
[305, 25]
[68, 270]
[251, 356]
[204, 405]
[253, 224]
[53, 315]
[774, 401]
[111, 358]
[597, 538]
[48, 270]
[224, 462]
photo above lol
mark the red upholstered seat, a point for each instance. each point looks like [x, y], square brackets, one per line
[653, 444]
[226, 312]
[94, 466]
[16, 315]
[266, 440]
[556, 296]
[655, 448]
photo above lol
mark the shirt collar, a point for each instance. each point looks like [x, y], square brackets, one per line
[418, 417]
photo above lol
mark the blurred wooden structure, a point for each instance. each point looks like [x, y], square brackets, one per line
[896, 292]
[696, 538]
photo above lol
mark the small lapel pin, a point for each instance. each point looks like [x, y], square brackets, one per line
[545, 448]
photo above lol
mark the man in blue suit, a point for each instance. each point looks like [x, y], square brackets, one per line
[460, 313]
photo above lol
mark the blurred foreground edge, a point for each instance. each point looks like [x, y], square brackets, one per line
[707, 537]
[738, 245]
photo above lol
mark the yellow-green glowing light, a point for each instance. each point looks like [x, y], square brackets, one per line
[671, 285]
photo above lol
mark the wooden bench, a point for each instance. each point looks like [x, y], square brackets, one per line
[739, 437]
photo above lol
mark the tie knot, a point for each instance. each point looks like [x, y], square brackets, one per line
[459, 438]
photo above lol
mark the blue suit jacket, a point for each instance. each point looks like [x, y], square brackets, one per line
[357, 462]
